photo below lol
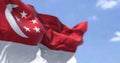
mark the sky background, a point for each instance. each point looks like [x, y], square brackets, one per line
[102, 40]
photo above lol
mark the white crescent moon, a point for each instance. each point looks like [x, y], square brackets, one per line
[12, 21]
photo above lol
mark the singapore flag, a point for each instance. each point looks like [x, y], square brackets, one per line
[30, 37]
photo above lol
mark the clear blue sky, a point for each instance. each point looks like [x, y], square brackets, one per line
[102, 40]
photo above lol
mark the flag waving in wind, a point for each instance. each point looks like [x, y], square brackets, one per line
[30, 37]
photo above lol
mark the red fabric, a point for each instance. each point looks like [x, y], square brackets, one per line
[60, 37]
[57, 36]
[7, 33]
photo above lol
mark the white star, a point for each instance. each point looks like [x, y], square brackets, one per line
[18, 19]
[34, 22]
[27, 29]
[37, 29]
[23, 14]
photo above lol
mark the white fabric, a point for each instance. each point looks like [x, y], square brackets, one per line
[19, 53]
